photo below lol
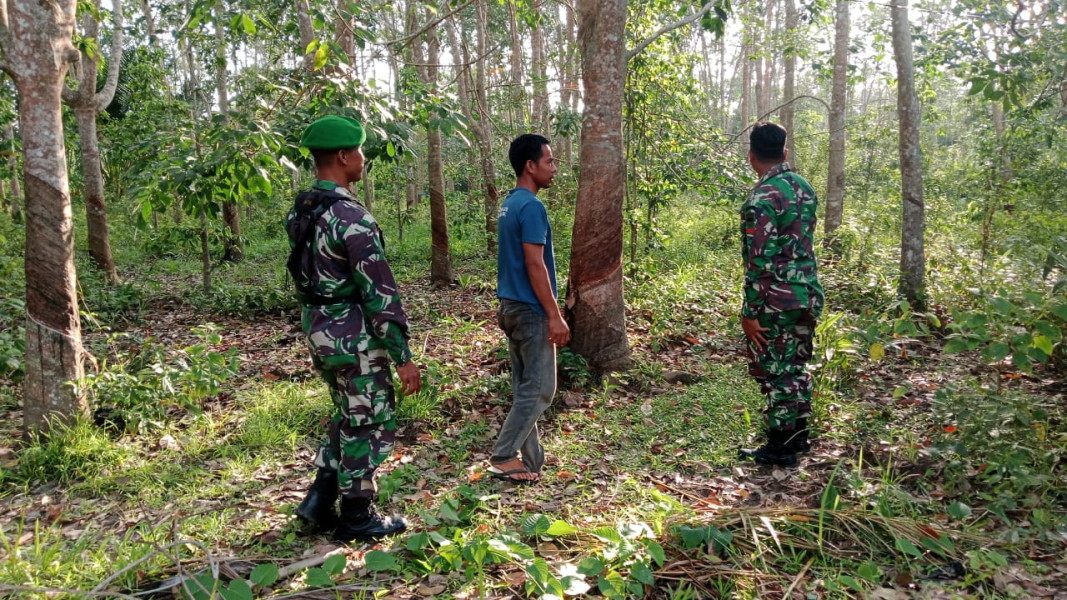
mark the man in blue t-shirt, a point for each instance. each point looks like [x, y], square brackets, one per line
[528, 313]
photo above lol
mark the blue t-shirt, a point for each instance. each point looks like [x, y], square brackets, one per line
[522, 219]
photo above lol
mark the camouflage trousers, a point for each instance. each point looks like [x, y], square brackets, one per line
[362, 430]
[781, 369]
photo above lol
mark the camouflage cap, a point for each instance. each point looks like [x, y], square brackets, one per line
[333, 132]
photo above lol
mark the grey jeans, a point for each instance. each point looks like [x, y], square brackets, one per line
[533, 383]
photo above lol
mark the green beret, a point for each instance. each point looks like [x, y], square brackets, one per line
[333, 132]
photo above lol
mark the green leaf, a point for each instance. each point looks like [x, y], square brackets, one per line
[264, 574]
[955, 344]
[851, 582]
[560, 528]
[535, 525]
[538, 571]
[1043, 344]
[959, 510]
[996, 352]
[607, 534]
[722, 538]
[693, 537]
[612, 585]
[237, 590]
[869, 571]
[1060, 310]
[448, 510]
[640, 572]
[900, 391]
[907, 547]
[317, 577]
[418, 542]
[320, 56]
[390, 149]
[146, 212]
[335, 565]
[376, 560]
[590, 567]
[655, 551]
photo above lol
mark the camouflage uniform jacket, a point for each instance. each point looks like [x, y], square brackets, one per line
[777, 244]
[367, 325]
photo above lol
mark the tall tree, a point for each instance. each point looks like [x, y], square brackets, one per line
[835, 179]
[518, 91]
[87, 104]
[307, 33]
[441, 272]
[912, 230]
[538, 72]
[788, 111]
[36, 38]
[231, 217]
[475, 108]
[594, 292]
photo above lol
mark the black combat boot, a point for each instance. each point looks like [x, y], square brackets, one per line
[317, 509]
[360, 521]
[800, 442]
[777, 451]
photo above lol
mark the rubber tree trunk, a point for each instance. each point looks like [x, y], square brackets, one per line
[482, 133]
[595, 303]
[440, 255]
[789, 84]
[38, 54]
[835, 178]
[87, 104]
[518, 91]
[913, 224]
[307, 34]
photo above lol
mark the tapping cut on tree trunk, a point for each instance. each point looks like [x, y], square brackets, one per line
[594, 301]
[38, 52]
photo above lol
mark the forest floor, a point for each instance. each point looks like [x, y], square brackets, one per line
[642, 494]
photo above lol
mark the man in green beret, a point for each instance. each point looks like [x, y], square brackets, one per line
[355, 326]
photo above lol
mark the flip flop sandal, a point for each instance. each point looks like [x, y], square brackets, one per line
[507, 475]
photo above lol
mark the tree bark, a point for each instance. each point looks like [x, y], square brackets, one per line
[789, 85]
[595, 303]
[307, 34]
[87, 103]
[835, 178]
[368, 187]
[344, 38]
[538, 73]
[518, 92]
[149, 22]
[440, 255]
[912, 251]
[38, 53]
[231, 217]
[746, 90]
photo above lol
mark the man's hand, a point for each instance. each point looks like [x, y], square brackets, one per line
[558, 332]
[410, 379]
[754, 332]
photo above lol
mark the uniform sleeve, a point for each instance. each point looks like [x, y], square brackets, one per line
[377, 288]
[761, 244]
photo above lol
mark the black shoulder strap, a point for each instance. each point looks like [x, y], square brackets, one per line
[307, 209]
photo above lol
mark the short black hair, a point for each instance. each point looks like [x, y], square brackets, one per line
[325, 157]
[528, 146]
[767, 141]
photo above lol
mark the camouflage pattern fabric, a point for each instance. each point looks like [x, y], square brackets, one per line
[781, 369]
[782, 290]
[777, 244]
[353, 339]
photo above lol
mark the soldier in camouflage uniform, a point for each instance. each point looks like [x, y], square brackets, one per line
[354, 325]
[782, 294]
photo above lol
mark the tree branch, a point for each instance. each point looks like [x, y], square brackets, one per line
[669, 28]
[776, 108]
[106, 95]
[404, 41]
